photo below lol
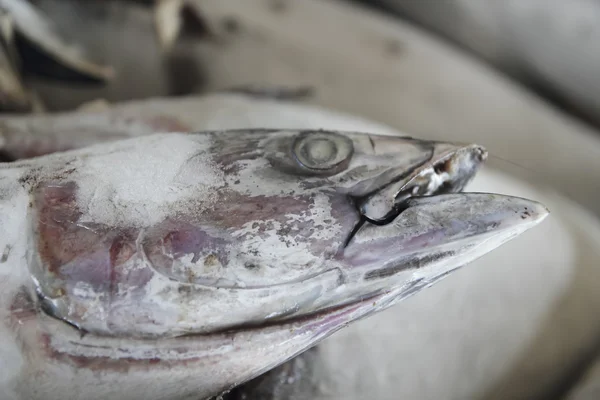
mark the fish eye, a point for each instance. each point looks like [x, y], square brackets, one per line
[323, 151]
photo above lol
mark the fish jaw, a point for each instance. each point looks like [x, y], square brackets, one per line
[433, 237]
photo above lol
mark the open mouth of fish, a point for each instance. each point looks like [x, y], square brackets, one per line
[281, 227]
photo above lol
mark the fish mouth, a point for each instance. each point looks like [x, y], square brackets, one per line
[448, 169]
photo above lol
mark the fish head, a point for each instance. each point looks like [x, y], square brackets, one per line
[243, 248]
[256, 226]
[351, 215]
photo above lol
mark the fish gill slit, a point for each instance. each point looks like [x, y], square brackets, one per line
[354, 230]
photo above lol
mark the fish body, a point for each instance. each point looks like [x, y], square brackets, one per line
[539, 43]
[174, 266]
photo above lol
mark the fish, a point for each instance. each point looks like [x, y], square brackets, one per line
[181, 265]
[44, 51]
[31, 45]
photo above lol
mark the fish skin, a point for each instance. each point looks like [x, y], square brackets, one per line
[240, 336]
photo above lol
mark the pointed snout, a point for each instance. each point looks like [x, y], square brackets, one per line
[437, 234]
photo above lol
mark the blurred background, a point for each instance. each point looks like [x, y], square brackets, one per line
[521, 77]
[549, 46]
